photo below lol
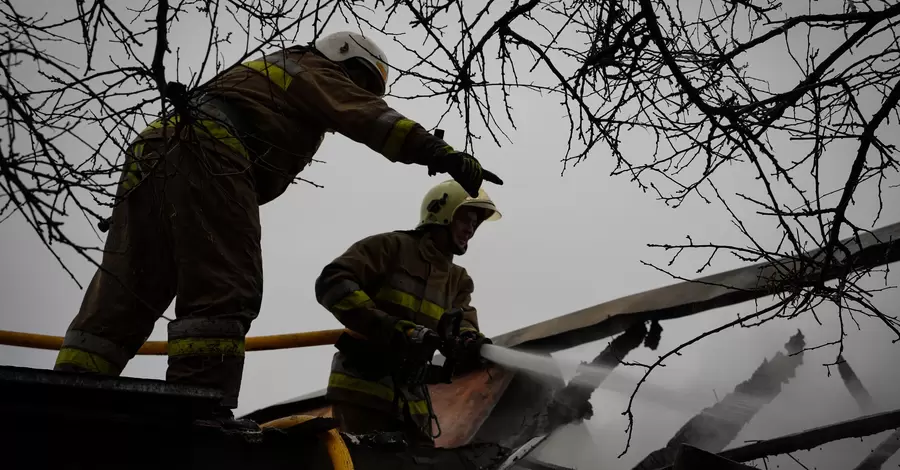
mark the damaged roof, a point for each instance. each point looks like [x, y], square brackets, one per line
[478, 393]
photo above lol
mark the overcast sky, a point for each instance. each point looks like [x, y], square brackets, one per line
[565, 243]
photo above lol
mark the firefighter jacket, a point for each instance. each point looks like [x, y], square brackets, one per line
[378, 281]
[276, 110]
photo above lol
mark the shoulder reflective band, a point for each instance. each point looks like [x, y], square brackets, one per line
[277, 68]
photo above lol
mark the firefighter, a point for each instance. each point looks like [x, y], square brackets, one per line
[186, 224]
[391, 291]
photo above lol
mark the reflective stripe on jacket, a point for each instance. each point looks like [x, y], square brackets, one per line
[286, 102]
[377, 282]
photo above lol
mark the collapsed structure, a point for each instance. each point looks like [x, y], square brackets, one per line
[715, 427]
[487, 417]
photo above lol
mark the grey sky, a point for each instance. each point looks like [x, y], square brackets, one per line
[564, 243]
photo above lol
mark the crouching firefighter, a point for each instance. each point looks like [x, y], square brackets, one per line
[402, 297]
[186, 224]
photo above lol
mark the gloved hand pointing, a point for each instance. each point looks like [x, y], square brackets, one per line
[463, 168]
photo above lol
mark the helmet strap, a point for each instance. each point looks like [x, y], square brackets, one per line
[443, 238]
[454, 247]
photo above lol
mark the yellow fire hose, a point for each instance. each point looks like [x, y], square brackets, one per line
[158, 348]
[337, 449]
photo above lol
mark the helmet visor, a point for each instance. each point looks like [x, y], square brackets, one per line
[491, 212]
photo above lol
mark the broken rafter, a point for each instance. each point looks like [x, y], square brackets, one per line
[870, 249]
[855, 386]
[882, 453]
[859, 427]
[716, 426]
[885, 448]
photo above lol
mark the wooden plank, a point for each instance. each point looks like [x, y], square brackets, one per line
[461, 407]
[881, 246]
[859, 427]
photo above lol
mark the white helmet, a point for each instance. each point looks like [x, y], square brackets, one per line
[441, 202]
[344, 45]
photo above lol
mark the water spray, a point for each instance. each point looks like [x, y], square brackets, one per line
[591, 375]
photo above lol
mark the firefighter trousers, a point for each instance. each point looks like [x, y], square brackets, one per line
[189, 231]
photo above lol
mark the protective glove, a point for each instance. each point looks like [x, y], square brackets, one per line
[416, 341]
[463, 168]
[417, 351]
[469, 350]
[424, 338]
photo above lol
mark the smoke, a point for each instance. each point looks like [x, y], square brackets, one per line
[683, 400]
[706, 372]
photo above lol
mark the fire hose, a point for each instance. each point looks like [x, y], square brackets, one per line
[158, 348]
[545, 366]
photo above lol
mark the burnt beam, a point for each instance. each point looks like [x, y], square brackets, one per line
[859, 427]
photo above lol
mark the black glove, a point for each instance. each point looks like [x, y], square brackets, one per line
[423, 338]
[469, 350]
[415, 343]
[464, 168]
[417, 353]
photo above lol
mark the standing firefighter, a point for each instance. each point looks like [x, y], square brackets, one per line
[393, 291]
[187, 222]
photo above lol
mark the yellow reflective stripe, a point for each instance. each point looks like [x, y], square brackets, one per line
[397, 137]
[133, 171]
[206, 347]
[159, 122]
[276, 74]
[222, 135]
[404, 326]
[411, 302]
[418, 407]
[214, 129]
[132, 175]
[338, 380]
[85, 360]
[353, 300]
